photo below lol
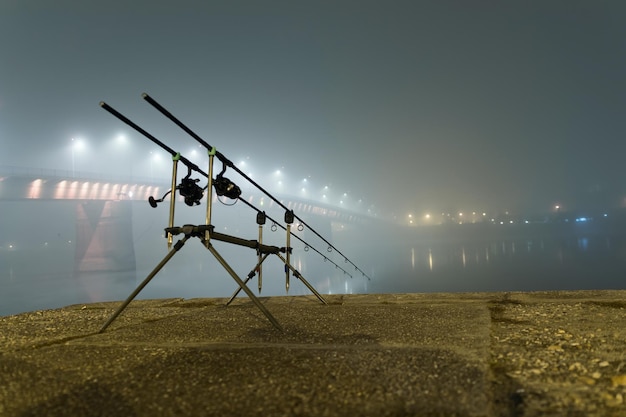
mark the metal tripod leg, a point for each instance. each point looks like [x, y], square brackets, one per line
[301, 278]
[145, 282]
[244, 287]
[250, 275]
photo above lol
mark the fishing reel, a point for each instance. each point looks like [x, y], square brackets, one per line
[225, 187]
[191, 191]
[188, 188]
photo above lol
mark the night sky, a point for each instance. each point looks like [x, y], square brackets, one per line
[410, 105]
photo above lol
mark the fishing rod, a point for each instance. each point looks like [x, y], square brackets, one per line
[307, 245]
[188, 187]
[177, 156]
[230, 164]
[130, 123]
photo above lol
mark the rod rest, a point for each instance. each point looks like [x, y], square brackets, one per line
[200, 230]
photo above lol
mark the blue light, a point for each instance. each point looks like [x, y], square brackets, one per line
[581, 219]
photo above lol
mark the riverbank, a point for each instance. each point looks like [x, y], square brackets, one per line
[464, 354]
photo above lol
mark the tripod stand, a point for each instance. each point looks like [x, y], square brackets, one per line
[192, 194]
[200, 232]
[203, 232]
[206, 232]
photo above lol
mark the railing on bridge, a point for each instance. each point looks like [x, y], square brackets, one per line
[8, 171]
[22, 183]
[48, 184]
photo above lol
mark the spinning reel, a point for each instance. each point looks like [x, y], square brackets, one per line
[225, 187]
[188, 188]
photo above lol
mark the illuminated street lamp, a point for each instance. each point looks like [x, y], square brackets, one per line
[77, 144]
[73, 163]
[154, 157]
[278, 178]
[122, 147]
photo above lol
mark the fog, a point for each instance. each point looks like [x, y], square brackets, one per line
[462, 144]
[44, 265]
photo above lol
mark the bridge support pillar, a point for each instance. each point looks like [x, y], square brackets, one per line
[104, 237]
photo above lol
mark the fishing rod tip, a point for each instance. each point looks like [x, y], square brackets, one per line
[102, 104]
[144, 95]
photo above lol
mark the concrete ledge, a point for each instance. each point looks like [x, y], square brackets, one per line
[481, 354]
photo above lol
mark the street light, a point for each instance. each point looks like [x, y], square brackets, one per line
[77, 144]
[122, 148]
[154, 157]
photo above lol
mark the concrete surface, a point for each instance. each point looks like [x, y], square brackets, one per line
[478, 354]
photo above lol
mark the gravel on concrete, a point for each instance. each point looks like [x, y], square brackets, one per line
[456, 354]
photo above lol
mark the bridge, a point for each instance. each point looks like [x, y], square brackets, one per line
[106, 221]
[20, 183]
